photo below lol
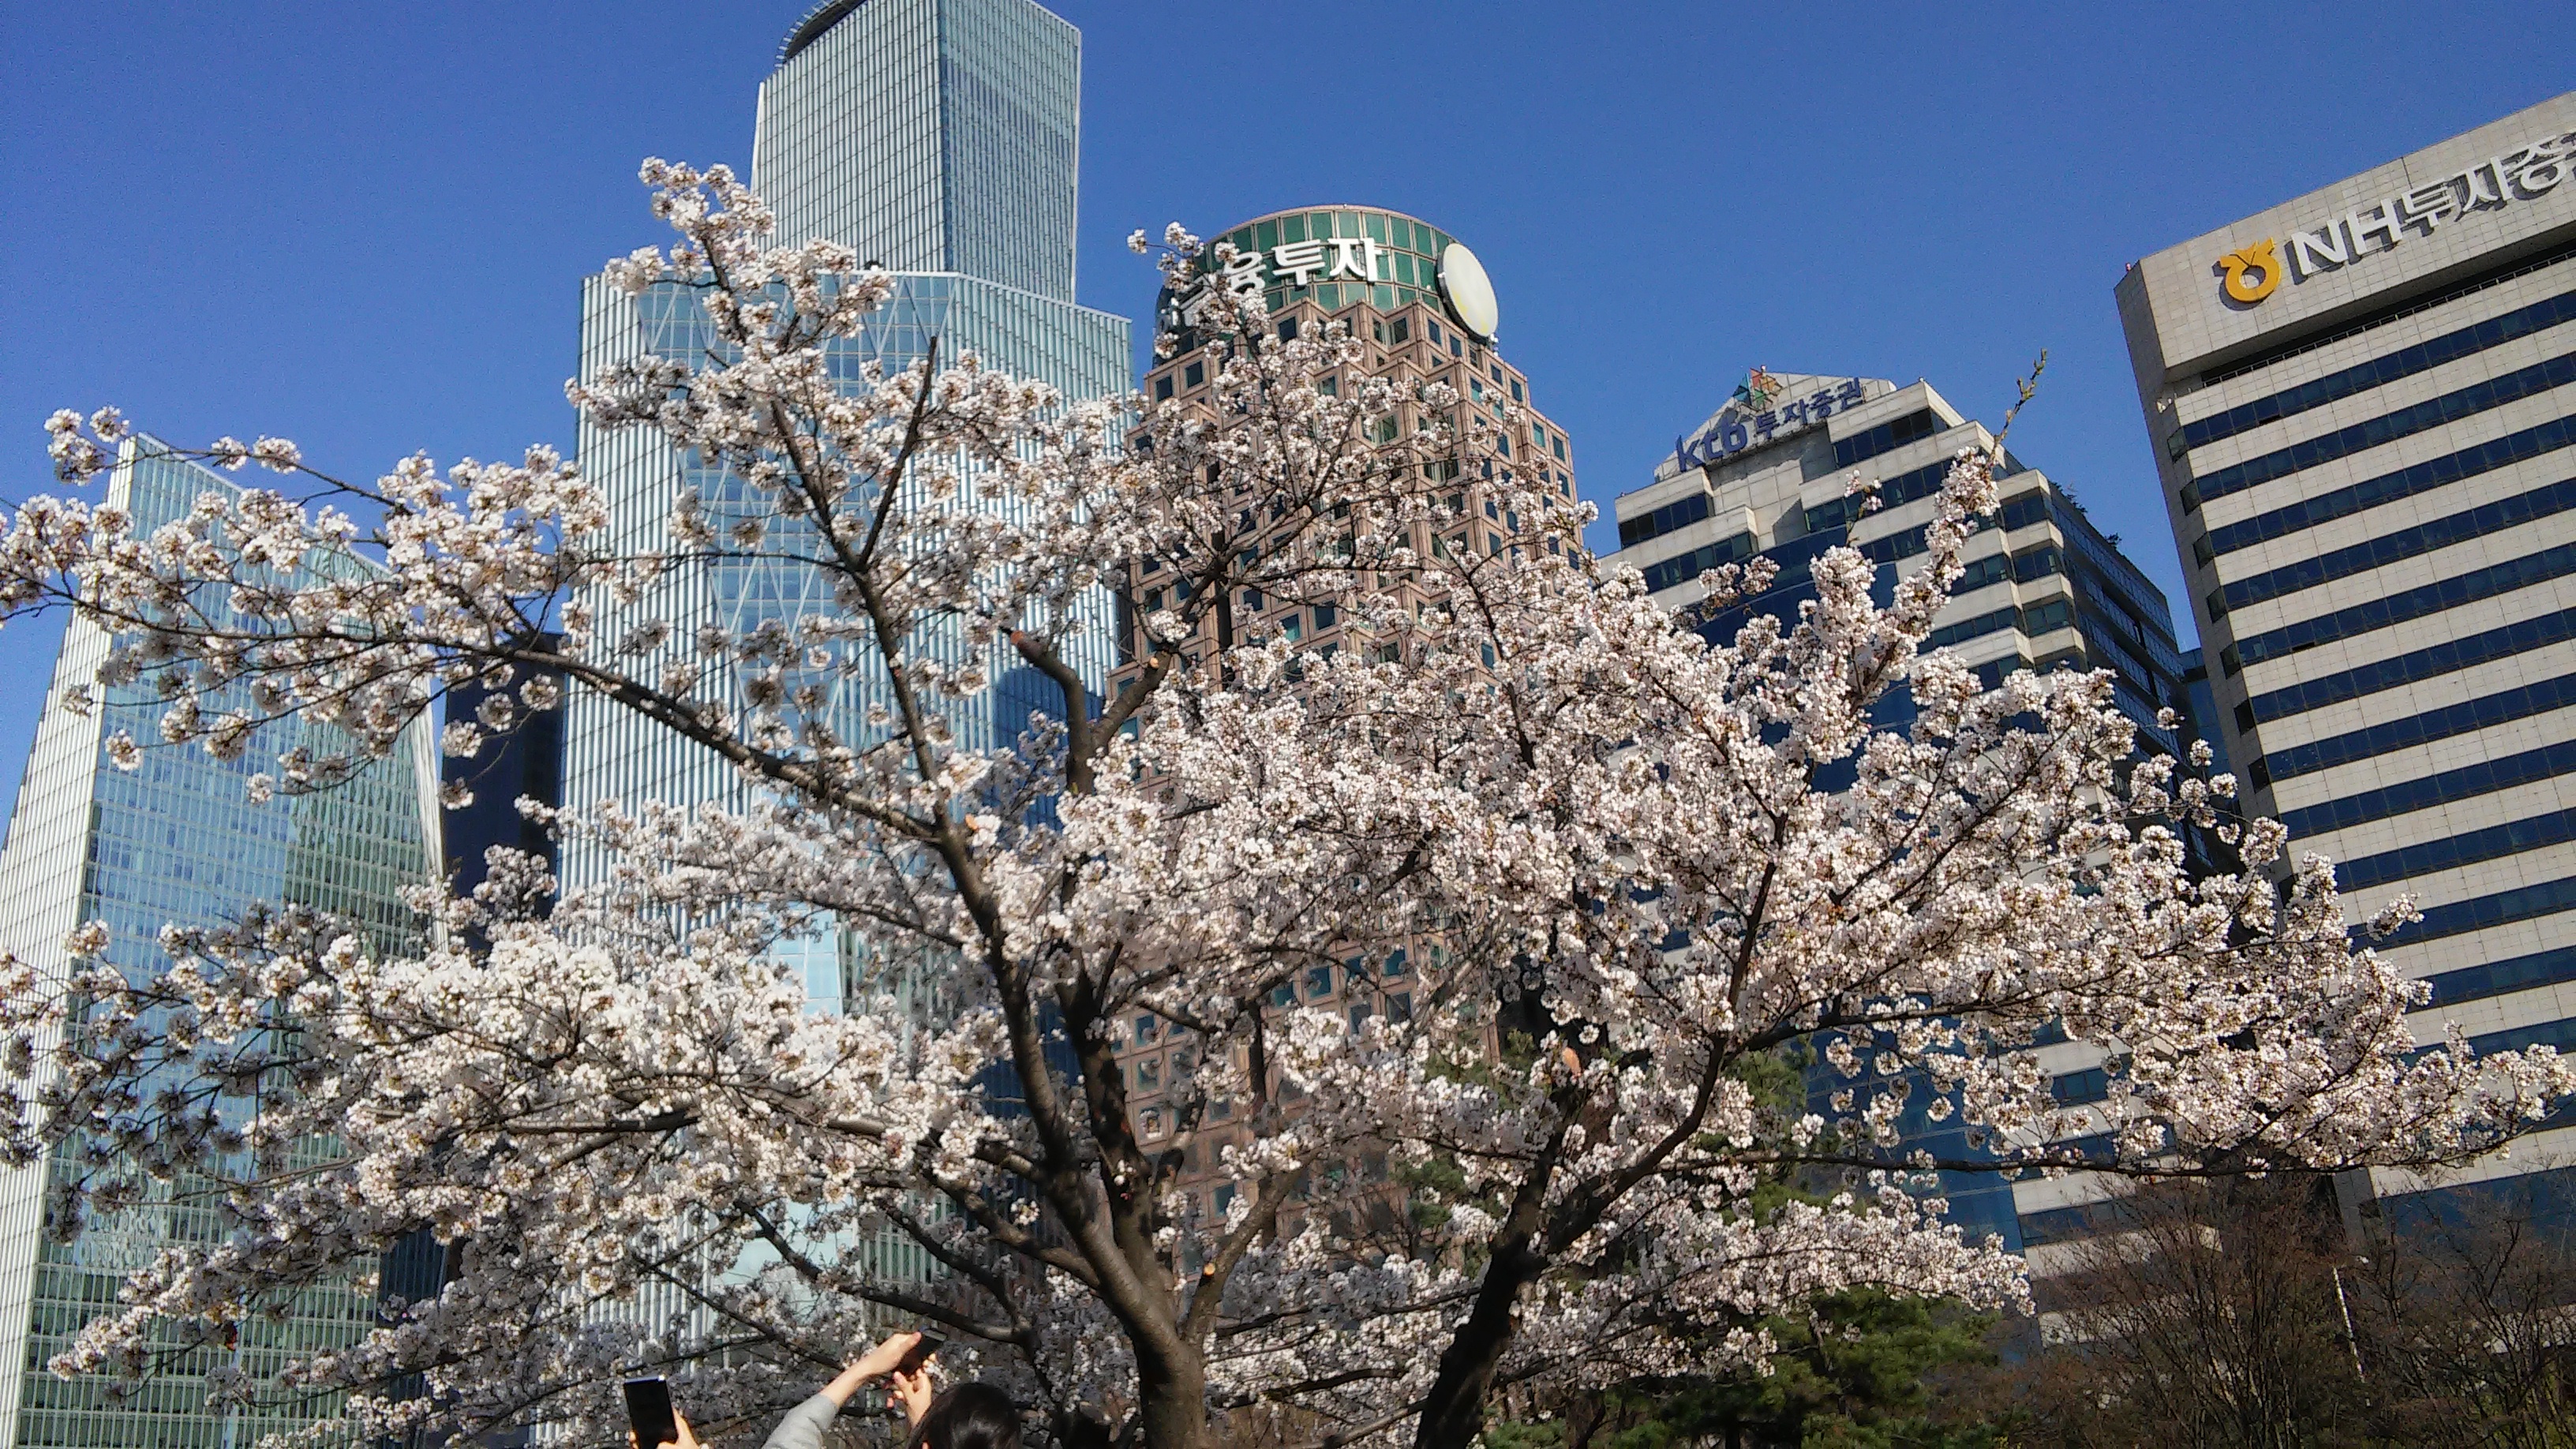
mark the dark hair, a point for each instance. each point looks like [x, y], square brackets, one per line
[973, 1415]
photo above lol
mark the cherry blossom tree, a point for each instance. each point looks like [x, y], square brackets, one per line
[648, 1154]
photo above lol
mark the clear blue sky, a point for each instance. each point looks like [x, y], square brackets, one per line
[363, 226]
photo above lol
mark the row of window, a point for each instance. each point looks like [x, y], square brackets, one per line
[1904, 488]
[1869, 443]
[2034, 621]
[1355, 975]
[2016, 513]
[2399, 607]
[2467, 782]
[2447, 657]
[1684, 567]
[1396, 231]
[2423, 477]
[2503, 908]
[2468, 848]
[2361, 377]
[2559, 1034]
[2450, 407]
[2433, 724]
[2025, 567]
[2502, 978]
[2307, 573]
[1679, 513]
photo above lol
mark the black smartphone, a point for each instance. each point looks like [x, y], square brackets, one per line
[649, 1413]
[921, 1351]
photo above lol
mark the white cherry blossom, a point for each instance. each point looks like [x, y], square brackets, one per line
[1618, 835]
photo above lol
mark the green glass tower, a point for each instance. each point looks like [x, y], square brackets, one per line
[174, 841]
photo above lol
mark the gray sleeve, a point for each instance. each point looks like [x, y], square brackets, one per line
[804, 1425]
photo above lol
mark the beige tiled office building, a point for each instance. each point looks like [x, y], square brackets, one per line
[2363, 405]
[1421, 302]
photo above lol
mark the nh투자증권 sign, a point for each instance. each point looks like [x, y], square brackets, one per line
[2526, 173]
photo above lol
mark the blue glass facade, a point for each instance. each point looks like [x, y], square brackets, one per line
[930, 135]
[175, 841]
[938, 138]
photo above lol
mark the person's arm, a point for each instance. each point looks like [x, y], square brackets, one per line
[804, 1426]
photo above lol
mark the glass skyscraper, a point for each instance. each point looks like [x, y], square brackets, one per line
[937, 138]
[174, 841]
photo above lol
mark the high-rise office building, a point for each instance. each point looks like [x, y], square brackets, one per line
[1421, 303]
[175, 840]
[938, 138]
[2363, 406]
[1770, 474]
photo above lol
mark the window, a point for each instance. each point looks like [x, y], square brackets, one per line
[1319, 981]
[1325, 614]
[1194, 374]
[1162, 387]
[1913, 427]
[2469, 401]
[1401, 331]
[1283, 995]
[1147, 1028]
[1292, 626]
[1557, 445]
[1492, 511]
[2406, 362]
[1360, 1014]
[1149, 1075]
[2308, 512]
[1435, 334]
[1149, 1123]
[1516, 390]
[1454, 349]
[1225, 1190]
[1399, 1006]
[1287, 329]
[1377, 328]
[2485, 777]
[1252, 601]
[1395, 963]
[1493, 543]
[1475, 389]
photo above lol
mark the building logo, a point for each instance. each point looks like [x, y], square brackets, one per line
[2257, 260]
[1758, 389]
[1762, 412]
[2524, 174]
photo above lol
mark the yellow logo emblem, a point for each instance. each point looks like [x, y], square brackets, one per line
[2251, 273]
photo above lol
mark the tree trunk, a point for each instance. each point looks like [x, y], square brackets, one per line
[1171, 1411]
[1454, 1411]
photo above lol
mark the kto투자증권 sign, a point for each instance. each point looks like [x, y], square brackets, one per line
[1764, 410]
[2526, 173]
